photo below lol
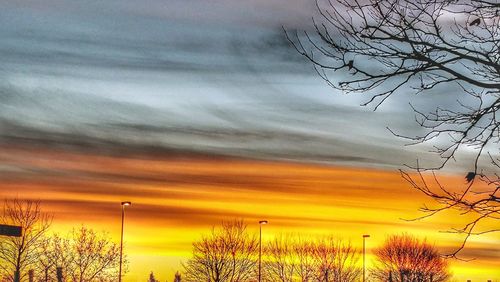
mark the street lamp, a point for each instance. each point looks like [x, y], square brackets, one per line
[124, 204]
[262, 222]
[364, 255]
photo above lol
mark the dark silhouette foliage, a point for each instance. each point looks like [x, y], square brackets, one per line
[152, 277]
[405, 258]
[227, 253]
[177, 277]
[425, 47]
[84, 256]
[19, 254]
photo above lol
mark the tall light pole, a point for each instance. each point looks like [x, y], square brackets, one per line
[364, 255]
[124, 204]
[262, 222]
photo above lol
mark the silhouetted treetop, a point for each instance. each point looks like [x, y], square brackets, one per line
[406, 258]
[445, 49]
[423, 47]
[19, 254]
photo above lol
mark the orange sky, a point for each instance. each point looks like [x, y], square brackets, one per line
[175, 199]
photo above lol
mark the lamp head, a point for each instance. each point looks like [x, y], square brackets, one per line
[366, 236]
[263, 222]
[127, 203]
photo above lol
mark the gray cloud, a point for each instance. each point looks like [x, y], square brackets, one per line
[122, 80]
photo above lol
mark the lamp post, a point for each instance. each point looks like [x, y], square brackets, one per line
[364, 255]
[124, 204]
[262, 222]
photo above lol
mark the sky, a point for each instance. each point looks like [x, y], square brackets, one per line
[200, 111]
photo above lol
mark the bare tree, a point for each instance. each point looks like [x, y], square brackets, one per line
[405, 258]
[85, 256]
[281, 263]
[227, 253]
[54, 252]
[46, 261]
[399, 47]
[19, 254]
[92, 257]
[335, 261]
[294, 259]
[305, 262]
[303, 250]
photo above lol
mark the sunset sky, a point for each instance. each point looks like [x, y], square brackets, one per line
[198, 112]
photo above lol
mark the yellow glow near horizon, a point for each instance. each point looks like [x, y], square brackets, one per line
[176, 200]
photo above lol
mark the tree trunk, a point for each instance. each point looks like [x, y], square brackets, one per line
[31, 275]
[59, 274]
[17, 272]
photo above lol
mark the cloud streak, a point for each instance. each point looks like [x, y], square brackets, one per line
[164, 84]
[186, 194]
[196, 111]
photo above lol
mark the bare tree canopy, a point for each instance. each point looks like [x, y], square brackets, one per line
[383, 49]
[335, 260]
[305, 262]
[228, 253]
[290, 258]
[405, 258]
[19, 254]
[54, 252]
[84, 256]
[280, 262]
[94, 257]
